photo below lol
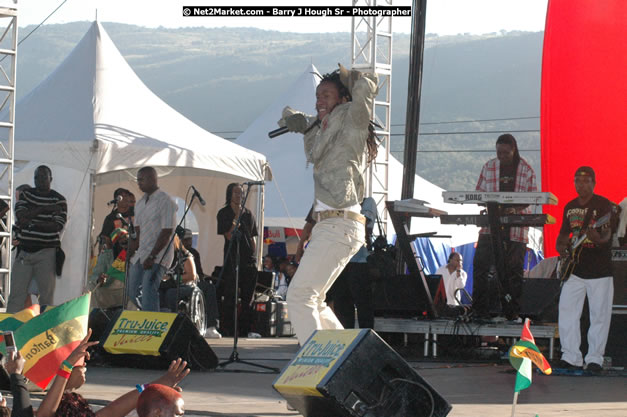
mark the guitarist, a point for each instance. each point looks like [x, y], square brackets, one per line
[591, 276]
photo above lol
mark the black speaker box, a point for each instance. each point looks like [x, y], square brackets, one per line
[181, 341]
[403, 296]
[284, 324]
[344, 373]
[271, 318]
[265, 318]
[99, 319]
[540, 298]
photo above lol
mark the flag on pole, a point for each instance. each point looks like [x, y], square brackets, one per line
[47, 339]
[522, 354]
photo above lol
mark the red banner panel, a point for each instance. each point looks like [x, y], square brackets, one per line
[584, 101]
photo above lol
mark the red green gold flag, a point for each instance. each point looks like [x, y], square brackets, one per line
[46, 340]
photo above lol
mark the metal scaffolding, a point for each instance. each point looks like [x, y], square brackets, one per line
[8, 63]
[372, 52]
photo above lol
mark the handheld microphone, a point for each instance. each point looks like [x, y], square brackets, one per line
[197, 194]
[282, 130]
[249, 183]
[278, 132]
[115, 200]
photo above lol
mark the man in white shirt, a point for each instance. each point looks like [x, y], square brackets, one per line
[453, 276]
[155, 220]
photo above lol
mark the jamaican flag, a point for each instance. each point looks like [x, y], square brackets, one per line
[47, 339]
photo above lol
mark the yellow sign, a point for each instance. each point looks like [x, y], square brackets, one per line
[139, 332]
[317, 361]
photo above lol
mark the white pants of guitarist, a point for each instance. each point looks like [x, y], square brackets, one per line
[333, 242]
[600, 292]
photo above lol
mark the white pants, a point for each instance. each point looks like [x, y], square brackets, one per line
[600, 292]
[333, 242]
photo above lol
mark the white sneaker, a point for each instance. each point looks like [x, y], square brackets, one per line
[253, 335]
[213, 333]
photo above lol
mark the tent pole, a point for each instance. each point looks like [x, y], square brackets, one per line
[90, 227]
[261, 201]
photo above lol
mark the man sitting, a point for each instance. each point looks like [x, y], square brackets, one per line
[107, 278]
[453, 277]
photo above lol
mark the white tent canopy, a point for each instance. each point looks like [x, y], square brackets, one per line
[95, 123]
[295, 182]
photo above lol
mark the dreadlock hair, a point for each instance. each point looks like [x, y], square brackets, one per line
[509, 139]
[334, 78]
[372, 143]
[229, 192]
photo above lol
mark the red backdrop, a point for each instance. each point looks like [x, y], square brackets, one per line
[584, 101]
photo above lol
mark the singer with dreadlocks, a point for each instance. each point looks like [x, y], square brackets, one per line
[340, 143]
[507, 172]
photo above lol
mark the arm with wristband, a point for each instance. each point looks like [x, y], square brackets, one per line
[127, 402]
[51, 401]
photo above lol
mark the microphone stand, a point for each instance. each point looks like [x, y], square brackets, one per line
[132, 236]
[180, 231]
[234, 358]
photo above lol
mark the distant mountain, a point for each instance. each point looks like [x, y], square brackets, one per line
[222, 79]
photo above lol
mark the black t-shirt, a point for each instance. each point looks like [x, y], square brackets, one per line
[248, 228]
[595, 261]
[507, 177]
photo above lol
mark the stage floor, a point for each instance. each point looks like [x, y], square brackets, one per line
[432, 328]
[474, 389]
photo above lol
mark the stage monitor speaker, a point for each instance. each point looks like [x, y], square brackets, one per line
[149, 339]
[345, 373]
[403, 296]
[99, 320]
[539, 300]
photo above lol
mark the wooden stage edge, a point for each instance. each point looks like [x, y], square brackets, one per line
[432, 328]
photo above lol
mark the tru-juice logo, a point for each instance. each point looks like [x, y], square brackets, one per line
[153, 327]
[315, 353]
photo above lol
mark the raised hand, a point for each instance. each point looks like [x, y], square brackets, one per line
[177, 371]
[81, 350]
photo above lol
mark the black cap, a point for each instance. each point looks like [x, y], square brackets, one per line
[585, 171]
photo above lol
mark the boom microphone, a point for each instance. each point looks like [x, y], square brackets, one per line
[197, 194]
[115, 200]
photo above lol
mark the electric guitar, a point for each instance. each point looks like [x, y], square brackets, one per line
[568, 261]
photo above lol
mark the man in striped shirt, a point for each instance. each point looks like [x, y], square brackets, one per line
[155, 220]
[41, 213]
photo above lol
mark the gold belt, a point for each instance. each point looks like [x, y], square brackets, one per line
[345, 214]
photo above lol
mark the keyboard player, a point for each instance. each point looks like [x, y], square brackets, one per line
[508, 172]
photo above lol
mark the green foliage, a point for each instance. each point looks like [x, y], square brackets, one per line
[222, 79]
